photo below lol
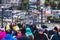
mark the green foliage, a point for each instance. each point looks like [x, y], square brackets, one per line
[52, 4]
[46, 3]
[3, 21]
[47, 0]
[54, 20]
[23, 6]
[19, 20]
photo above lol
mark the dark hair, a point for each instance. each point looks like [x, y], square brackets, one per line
[44, 26]
[55, 28]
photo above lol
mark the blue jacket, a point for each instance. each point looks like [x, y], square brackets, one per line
[9, 37]
[55, 37]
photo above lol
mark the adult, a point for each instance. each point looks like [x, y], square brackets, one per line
[29, 33]
[45, 29]
[2, 33]
[56, 36]
[40, 35]
[51, 32]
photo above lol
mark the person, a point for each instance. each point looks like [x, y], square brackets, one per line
[19, 25]
[19, 34]
[15, 29]
[11, 26]
[9, 37]
[40, 35]
[23, 30]
[51, 32]
[8, 34]
[24, 37]
[33, 28]
[45, 29]
[56, 36]
[29, 32]
[7, 29]
[2, 33]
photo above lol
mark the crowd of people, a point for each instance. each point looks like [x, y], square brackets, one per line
[18, 31]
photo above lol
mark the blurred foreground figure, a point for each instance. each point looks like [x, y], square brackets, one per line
[24, 37]
[40, 35]
[45, 29]
[56, 36]
[29, 33]
[2, 33]
[9, 37]
[51, 32]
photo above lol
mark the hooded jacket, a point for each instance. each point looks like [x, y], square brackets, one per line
[28, 32]
[15, 28]
[9, 37]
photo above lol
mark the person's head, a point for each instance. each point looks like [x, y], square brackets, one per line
[55, 29]
[14, 24]
[8, 30]
[59, 31]
[28, 31]
[34, 26]
[10, 24]
[2, 29]
[40, 31]
[18, 31]
[44, 27]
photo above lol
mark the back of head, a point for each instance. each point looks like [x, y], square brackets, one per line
[44, 26]
[28, 30]
[55, 28]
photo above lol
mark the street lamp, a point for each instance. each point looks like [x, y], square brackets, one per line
[2, 14]
[41, 16]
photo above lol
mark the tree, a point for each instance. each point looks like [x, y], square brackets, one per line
[23, 6]
[47, 3]
[52, 4]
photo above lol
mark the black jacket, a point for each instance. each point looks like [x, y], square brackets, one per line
[24, 38]
[40, 37]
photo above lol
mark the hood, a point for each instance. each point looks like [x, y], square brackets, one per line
[28, 30]
[9, 36]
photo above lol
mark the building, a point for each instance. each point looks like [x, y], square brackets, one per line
[6, 14]
[11, 3]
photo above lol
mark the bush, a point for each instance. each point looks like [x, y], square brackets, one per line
[55, 20]
[19, 20]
